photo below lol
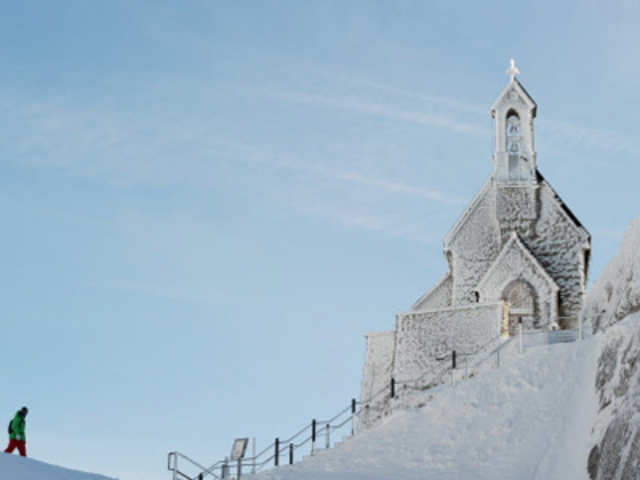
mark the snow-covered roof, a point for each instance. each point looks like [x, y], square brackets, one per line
[564, 208]
[515, 84]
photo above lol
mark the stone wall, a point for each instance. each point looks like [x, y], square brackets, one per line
[422, 338]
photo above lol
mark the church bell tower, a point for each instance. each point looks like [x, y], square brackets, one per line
[514, 156]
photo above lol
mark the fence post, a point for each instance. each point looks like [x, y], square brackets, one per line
[328, 439]
[175, 466]
[580, 328]
[225, 467]
[453, 359]
[253, 448]
[393, 387]
[276, 457]
[291, 454]
[520, 329]
[353, 417]
[313, 437]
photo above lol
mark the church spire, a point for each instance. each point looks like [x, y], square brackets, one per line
[514, 158]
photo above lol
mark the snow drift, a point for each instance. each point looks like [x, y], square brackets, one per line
[13, 467]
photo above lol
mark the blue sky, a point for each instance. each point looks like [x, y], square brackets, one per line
[207, 204]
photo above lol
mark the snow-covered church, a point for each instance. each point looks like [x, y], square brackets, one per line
[517, 255]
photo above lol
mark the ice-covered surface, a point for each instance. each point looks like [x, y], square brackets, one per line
[378, 365]
[612, 310]
[556, 240]
[616, 293]
[438, 297]
[13, 467]
[423, 337]
[515, 261]
[529, 419]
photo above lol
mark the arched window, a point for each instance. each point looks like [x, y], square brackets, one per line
[513, 144]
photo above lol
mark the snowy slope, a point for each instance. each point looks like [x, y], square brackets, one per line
[529, 419]
[13, 467]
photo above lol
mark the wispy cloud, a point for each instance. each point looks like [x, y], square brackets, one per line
[259, 156]
[371, 108]
[387, 224]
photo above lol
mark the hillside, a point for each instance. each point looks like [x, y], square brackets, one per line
[554, 412]
[13, 467]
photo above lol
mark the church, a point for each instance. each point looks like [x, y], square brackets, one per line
[517, 257]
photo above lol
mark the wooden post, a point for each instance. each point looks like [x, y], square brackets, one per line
[393, 387]
[291, 454]
[276, 457]
[453, 359]
[313, 437]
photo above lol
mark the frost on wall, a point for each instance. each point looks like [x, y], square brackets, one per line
[515, 262]
[554, 237]
[616, 293]
[438, 296]
[559, 243]
[376, 377]
[474, 243]
[425, 337]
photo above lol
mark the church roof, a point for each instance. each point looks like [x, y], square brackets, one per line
[515, 84]
[563, 205]
[462, 219]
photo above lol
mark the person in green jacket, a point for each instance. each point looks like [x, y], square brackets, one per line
[17, 437]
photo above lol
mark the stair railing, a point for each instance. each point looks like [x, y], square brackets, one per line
[285, 449]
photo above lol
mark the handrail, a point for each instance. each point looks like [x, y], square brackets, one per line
[176, 454]
[435, 376]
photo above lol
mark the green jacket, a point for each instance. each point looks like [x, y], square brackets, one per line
[17, 428]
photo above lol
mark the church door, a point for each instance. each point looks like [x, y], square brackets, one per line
[520, 298]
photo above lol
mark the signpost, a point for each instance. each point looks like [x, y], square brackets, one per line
[237, 452]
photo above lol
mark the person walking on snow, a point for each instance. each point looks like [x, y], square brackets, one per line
[17, 438]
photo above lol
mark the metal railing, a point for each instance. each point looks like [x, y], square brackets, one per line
[377, 404]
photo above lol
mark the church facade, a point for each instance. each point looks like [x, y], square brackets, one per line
[516, 255]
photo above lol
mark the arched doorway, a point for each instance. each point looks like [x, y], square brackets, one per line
[521, 298]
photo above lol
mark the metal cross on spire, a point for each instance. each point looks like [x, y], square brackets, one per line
[512, 71]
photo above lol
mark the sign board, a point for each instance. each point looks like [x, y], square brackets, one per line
[239, 448]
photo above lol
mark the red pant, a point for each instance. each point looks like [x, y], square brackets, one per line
[19, 444]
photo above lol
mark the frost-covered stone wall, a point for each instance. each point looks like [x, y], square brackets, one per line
[516, 262]
[561, 245]
[424, 337]
[557, 241]
[474, 244]
[378, 365]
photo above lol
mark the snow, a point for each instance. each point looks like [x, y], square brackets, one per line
[14, 467]
[529, 419]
